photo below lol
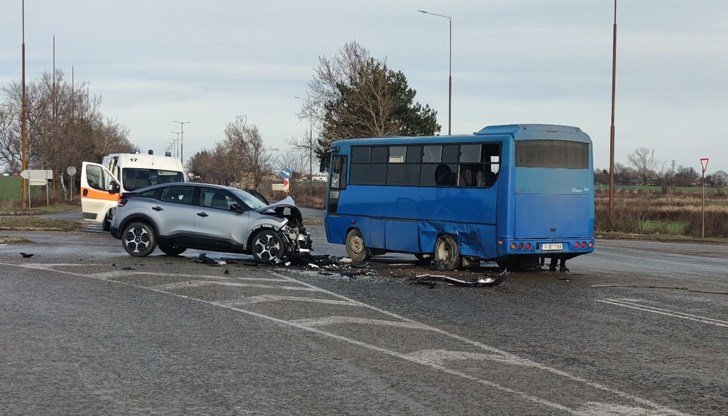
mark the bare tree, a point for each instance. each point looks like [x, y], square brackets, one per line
[9, 140]
[643, 160]
[294, 158]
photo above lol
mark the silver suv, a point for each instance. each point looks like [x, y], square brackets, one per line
[179, 216]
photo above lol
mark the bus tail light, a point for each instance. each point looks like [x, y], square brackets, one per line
[591, 244]
[513, 245]
[528, 246]
[577, 245]
[520, 246]
[583, 244]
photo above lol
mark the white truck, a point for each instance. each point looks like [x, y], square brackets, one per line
[103, 183]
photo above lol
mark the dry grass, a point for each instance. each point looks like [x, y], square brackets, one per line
[656, 213]
[13, 240]
[35, 223]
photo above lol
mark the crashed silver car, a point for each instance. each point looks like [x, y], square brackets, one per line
[178, 216]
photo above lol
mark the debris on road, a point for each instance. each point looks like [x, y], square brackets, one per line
[26, 255]
[489, 280]
[204, 259]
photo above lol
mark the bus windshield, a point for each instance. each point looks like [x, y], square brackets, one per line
[133, 179]
[555, 154]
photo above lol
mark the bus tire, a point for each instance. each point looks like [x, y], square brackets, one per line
[447, 255]
[355, 248]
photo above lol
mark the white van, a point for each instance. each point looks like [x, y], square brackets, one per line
[102, 184]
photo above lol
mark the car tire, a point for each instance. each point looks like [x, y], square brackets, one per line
[355, 248]
[447, 255]
[267, 246]
[171, 249]
[139, 239]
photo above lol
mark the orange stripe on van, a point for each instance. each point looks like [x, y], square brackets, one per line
[102, 195]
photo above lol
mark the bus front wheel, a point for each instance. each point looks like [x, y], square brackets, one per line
[447, 255]
[355, 248]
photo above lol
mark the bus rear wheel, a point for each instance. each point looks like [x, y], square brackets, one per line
[355, 248]
[447, 255]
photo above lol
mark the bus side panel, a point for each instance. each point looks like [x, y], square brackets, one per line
[336, 227]
[476, 240]
[402, 236]
[374, 232]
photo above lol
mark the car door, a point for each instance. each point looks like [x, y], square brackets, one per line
[218, 222]
[174, 213]
[97, 198]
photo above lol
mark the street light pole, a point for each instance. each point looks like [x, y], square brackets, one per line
[611, 130]
[23, 117]
[310, 148]
[176, 151]
[449, 89]
[182, 139]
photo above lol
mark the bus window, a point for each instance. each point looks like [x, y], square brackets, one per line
[431, 154]
[479, 165]
[450, 153]
[438, 174]
[558, 154]
[338, 172]
[368, 165]
[397, 153]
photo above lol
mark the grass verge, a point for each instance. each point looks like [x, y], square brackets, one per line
[34, 223]
[13, 240]
[617, 235]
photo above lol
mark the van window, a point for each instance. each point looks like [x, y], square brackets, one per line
[133, 178]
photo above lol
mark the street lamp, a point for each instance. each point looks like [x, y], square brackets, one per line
[611, 129]
[449, 96]
[25, 193]
[176, 153]
[182, 139]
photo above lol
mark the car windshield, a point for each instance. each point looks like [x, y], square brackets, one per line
[248, 199]
[133, 179]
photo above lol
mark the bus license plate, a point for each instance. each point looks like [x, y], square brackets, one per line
[552, 246]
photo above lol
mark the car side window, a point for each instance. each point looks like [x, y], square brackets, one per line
[178, 194]
[216, 198]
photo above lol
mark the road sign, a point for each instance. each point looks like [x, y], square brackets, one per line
[286, 185]
[286, 173]
[71, 170]
[36, 174]
[704, 163]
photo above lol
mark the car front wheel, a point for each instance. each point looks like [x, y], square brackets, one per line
[139, 239]
[267, 246]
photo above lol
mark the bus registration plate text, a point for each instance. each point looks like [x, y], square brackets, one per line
[552, 246]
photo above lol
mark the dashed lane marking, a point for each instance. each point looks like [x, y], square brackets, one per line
[276, 298]
[675, 314]
[417, 359]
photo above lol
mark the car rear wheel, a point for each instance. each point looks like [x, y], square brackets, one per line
[267, 246]
[171, 249]
[447, 255]
[139, 239]
[355, 248]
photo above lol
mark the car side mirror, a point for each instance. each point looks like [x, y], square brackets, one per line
[236, 207]
[114, 187]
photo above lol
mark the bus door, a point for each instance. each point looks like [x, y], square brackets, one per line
[337, 182]
[99, 192]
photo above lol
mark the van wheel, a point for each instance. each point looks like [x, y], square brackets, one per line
[267, 246]
[139, 239]
[447, 255]
[171, 249]
[355, 248]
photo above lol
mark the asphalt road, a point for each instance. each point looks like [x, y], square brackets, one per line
[635, 328]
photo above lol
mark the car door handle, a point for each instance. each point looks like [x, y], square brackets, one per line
[157, 208]
[202, 214]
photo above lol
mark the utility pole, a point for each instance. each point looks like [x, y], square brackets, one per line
[611, 130]
[23, 117]
[182, 139]
[176, 151]
[704, 165]
[310, 147]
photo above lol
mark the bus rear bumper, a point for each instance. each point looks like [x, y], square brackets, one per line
[545, 247]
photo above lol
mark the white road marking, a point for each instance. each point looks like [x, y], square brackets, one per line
[660, 311]
[181, 285]
[654, 406]
[335, 320]
[441, 357]
[126, 273]
[276, 298]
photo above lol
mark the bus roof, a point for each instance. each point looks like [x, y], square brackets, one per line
[517, 131]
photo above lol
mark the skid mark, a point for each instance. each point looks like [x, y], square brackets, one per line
[651, 406]
[336, 320]
[675, 314]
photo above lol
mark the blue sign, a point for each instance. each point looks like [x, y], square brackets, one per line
[286, 173]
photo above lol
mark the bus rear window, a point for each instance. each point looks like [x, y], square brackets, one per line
[555, 154]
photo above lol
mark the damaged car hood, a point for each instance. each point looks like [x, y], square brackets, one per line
[279, 209]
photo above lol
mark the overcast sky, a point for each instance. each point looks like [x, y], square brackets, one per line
[514, 61]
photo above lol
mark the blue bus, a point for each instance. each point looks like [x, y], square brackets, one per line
[514, 194]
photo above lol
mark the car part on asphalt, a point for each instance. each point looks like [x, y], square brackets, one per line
[26, 255]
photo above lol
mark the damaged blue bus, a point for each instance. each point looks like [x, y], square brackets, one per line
[514, 194]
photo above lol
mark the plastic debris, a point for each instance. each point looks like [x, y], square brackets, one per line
[26, 255]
